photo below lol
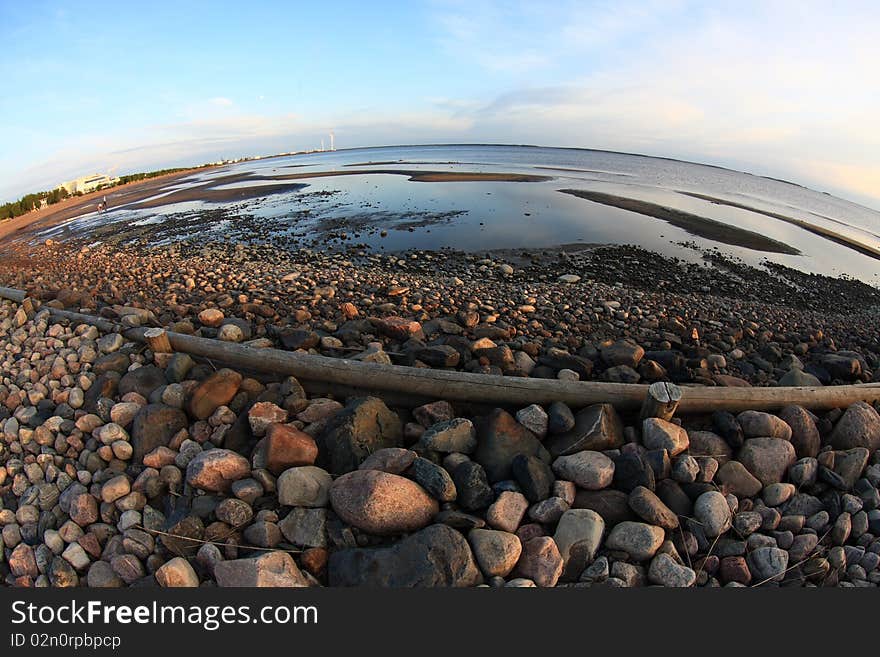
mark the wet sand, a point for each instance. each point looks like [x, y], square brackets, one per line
[694, 224]
[208, 194]
[816, 230]
[417, 176]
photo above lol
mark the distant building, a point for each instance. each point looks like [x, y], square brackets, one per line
[86, 184]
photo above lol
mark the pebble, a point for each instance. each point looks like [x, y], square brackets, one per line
[496, 552]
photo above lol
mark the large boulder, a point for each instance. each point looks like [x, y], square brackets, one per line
[272, 569]
[364, 426]
[709, 443]
[768, 459]
[804, 433]
[596, 428]
[154, 426]
[144, 380]
[381, 503]
[622, 352]
[435, 556]
[589, 470]
[215, 391]
[757, 424]
[660, 434]
[578, 536]
[859, 427]
[500, 439]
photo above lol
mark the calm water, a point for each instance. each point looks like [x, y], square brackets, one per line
[390, 212]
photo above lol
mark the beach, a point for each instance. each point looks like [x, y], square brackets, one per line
[130, 462]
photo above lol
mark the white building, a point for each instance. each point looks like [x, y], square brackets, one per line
[86, 184]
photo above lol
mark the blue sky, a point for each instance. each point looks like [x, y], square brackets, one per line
[789, 89]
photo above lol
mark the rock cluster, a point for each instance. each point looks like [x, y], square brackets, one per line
[122, 467]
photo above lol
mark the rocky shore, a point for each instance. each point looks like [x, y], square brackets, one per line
[616, 314]
[126, 468]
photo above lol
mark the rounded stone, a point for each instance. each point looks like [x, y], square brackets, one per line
[381, 503]
[307, 486]
[496, 552]
[768, 459]
[713, 512]
[589, 470]
[639, 540]
[216, 469]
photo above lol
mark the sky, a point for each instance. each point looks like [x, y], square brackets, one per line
[789, 89]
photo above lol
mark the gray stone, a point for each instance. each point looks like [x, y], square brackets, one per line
[713, 513]
[155, 425]
[756, 424]
[859, 427]
[361, 428]
[660, 434]
[804, 433]
[666, 571]
[651, 508]
[768, 459]
[578, 537]
[533, 418]
[708, 443]
[589, 470]
[305, 527]
[596, 428]
[455, 435]
[767, 564]
[639, 540]
[307, 486]
[500, 439]
[434, 479]
[272, 569]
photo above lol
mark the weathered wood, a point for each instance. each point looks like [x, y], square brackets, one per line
[157, 340]
[428, 384]
[661, 401]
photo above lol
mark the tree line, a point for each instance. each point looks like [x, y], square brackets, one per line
[30, 202]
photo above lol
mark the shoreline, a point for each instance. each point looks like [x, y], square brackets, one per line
[77, 205]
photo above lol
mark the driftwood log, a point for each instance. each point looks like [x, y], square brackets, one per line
[417, 384]
[661, 401]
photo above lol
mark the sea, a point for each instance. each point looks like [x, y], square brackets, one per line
[393, 199]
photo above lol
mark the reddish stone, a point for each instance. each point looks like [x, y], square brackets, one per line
[287, 447]
[530, 531]
[262, 415]
[433, 413]
[216, 469]
[540, 562]
[22, 562]
[84, 509]
[160, 457]
[735, 569]
[398, 328]
[215, 391]
[314, 561]
[89, 542]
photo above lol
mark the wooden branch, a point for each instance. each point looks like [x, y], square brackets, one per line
[157, 340]
[661, 401]
[421, 384]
